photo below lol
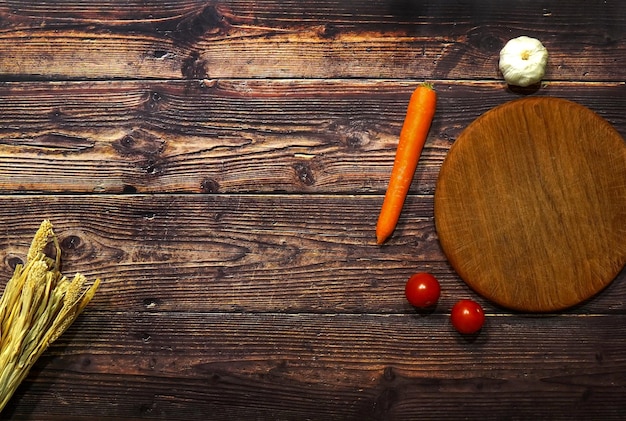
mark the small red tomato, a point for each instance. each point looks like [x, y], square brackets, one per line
[422, 290]
[467, 317]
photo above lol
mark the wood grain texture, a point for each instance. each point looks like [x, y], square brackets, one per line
[220, 164]
[530, 205]
[183, 366]
[232, 136]
[383, 39]
[245, 253]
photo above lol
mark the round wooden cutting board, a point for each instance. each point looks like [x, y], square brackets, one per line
[530, 204]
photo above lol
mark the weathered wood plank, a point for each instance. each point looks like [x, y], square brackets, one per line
[250, 253]
[223, 39]
[243, 281]
[232, 136]
[274, 366]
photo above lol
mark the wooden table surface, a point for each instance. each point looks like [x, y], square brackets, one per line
[221, 166]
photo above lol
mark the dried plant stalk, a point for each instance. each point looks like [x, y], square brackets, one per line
[37, 306]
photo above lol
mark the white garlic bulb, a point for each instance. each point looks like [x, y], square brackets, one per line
[523, 61]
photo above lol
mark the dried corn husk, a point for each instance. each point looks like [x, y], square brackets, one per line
[37, 306]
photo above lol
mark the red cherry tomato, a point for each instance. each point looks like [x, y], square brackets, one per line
[467, 317]
[422, 290]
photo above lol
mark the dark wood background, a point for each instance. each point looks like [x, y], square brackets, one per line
[221, 166]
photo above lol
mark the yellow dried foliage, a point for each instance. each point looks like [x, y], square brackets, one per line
[37, 306]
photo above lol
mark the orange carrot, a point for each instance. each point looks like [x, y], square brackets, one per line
[419, 116]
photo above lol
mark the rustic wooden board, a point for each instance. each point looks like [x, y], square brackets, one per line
[183, 366]
[382, 39]
[221, 164]
[530, 205]
[245, 253]
[234, 136]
